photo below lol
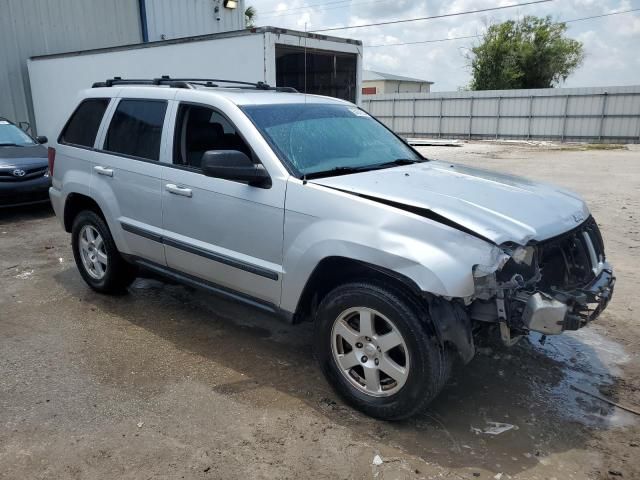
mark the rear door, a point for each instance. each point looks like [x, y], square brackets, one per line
[127, 172]
[222, 231]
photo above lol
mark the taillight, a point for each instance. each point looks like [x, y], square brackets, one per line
[51, 156]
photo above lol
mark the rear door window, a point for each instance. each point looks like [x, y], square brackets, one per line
[82, 127]
[136, 128]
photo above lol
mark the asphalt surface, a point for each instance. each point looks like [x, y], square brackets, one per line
[169, 382]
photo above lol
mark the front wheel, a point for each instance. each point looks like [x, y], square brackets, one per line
[374, 347]
[97, 257]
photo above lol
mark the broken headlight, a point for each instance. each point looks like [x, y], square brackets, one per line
[513, 268]
[524, 255]
[484, 270]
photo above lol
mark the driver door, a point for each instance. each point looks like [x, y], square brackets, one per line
[225, 232]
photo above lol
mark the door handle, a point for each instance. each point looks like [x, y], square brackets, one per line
[176, 190]
[103, 171]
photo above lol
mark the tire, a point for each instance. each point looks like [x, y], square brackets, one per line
[425, 364]
[111, 274]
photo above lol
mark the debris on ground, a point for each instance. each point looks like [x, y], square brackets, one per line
[635, 411]
[494, 428]
[25, 274]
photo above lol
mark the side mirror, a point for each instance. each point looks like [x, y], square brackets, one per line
[234, 165]
[42, 139]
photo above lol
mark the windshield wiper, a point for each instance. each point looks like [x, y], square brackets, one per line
[10, 145]
[399, 162]
[336, 171]
[363, 168]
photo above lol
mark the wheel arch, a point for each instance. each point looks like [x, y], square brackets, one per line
[336, 270]
[447, 319]
[76, 203]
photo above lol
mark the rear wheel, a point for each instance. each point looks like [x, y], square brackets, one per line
[374, 348]
[97, 258]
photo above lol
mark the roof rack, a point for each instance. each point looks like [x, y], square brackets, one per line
[190, 83]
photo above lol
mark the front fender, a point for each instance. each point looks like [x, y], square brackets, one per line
[326, 223]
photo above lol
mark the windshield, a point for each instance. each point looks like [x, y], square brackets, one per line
[323, 138]
[10, 135]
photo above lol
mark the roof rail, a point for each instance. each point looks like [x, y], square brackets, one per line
[110, 82]
[190, 82]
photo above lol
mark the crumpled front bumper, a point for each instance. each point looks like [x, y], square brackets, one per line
[597, 294]
[552, 313]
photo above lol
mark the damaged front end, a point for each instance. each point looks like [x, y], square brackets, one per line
[558, 284]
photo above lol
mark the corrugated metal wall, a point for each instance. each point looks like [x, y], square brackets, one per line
[39, 27]
[169, 19]
[599, 114]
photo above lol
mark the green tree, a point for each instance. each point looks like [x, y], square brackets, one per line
[529, 53]
[250, 15]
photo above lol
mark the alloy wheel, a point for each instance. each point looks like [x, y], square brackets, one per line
[93, 252]
[370, 351]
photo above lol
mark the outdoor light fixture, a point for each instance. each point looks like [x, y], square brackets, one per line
[231, 4]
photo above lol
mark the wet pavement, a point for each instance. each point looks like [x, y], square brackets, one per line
[170, 382]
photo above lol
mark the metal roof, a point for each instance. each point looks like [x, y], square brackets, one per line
[370, 75]
[198, 38]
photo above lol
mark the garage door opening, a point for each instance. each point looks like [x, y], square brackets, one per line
[328, 73]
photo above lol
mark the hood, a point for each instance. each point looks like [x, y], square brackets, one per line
[500, 208]
[23, 156]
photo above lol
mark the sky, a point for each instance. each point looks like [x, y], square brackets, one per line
[611, 44]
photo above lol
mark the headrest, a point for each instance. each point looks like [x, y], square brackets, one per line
[203, 135]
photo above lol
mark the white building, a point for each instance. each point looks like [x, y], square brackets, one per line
[308, 62]
[376, 82]
[41, 27]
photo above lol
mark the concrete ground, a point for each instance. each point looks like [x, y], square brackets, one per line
[167, 382]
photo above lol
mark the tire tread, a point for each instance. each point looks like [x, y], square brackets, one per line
[120, 274]
[433, 360]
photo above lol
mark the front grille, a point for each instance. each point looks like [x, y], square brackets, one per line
[573, 259]
[591, 228]
[6, 175]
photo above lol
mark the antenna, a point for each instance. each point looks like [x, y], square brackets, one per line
[305, 61]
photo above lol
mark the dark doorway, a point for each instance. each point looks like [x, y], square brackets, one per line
[328, 73]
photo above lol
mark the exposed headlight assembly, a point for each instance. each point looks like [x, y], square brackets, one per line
[484, 270]
[524, 255]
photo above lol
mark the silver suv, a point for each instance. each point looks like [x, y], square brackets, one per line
[308, 207]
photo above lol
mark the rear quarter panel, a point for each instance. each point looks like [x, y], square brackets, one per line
[71, 174]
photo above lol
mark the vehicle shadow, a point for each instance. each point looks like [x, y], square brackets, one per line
[527, 390]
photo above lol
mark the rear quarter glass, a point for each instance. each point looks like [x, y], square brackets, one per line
[82, 127]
